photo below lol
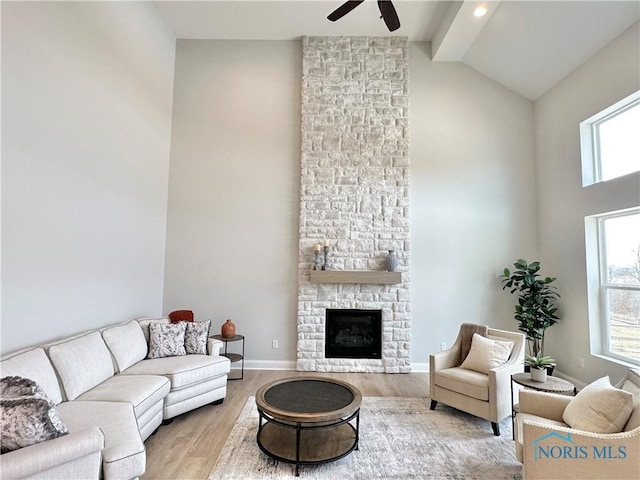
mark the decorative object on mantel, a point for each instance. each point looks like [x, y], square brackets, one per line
[318, 261]
[327, 263]
[392, 261]
[228, 329]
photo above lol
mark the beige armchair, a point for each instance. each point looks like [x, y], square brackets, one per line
[549, 448]
[486, 396]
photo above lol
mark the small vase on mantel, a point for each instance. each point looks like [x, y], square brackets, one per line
[228, 329]
[392, 261]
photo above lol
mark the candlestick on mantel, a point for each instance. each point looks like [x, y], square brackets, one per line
[326, 243]
[316, 247]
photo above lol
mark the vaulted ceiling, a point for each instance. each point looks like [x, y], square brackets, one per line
[528, 46]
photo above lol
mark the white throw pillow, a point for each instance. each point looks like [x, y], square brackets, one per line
[599, 408]
[486, 354]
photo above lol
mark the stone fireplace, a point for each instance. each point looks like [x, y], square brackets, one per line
[354, 192]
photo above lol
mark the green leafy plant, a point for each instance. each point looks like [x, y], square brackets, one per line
[539, 361]
[536, 310]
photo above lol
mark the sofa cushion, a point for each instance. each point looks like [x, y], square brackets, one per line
[166, 340]
[141, 391]
[467, 382]
[184, 370]
[35, 365]
[196, 336]
[599, 408]
[28, 416]
[634, 418]
[145, 322]
[486, 354]
[82, 363]
[127, 344]
[123, 456]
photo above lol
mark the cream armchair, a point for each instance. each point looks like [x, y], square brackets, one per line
[486, 396]
[549, 448]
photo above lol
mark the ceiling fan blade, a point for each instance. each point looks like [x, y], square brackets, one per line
[343, 9]
[389, 15]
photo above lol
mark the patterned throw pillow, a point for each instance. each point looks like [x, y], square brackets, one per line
[12, 387]
[166, 339]
[195, 338]
[28, 416]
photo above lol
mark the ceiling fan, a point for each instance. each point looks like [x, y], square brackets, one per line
[387, 12]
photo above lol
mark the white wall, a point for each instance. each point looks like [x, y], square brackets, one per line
[232, 238]
[233, 203]
[86, 119]
[610, 75]
[473, 206]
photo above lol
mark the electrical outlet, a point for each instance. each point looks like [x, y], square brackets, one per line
[443, 345]
[581, 362]
[274, 343]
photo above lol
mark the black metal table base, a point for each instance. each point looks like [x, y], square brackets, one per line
[307, 428]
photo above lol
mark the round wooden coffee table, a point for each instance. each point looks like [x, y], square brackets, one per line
[307, 420]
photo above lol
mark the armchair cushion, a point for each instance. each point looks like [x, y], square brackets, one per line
[486, 354]
[599, 408]
[466, 382]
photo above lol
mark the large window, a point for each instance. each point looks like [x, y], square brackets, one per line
[615, 298]
[610, 142]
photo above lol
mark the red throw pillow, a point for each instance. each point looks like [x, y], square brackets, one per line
[181, 316]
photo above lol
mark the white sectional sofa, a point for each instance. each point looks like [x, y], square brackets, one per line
[111, 398]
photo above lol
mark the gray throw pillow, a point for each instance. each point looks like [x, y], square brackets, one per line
[166, 339]
[28, 416]
[195, 338]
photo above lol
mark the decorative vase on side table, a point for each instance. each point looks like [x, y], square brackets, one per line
[228, 329]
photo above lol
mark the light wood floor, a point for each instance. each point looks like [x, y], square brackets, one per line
[189, 447]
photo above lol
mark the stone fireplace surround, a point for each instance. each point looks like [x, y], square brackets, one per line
[354, 191]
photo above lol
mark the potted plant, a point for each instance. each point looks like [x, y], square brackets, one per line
[538, 366]
[536, 310]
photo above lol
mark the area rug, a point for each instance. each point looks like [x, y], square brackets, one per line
[400, 438]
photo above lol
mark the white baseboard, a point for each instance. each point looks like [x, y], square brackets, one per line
[291, 365]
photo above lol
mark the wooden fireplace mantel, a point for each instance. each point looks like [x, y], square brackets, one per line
[372, 277]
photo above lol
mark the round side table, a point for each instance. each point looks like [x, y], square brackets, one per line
[552, 385]
[234, 357]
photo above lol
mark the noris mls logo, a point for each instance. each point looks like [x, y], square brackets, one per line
[554, 446]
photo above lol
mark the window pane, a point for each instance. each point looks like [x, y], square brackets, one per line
[624, 322]
[622, 249]
[620, 143]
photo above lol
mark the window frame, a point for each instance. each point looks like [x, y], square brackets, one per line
[599, 286]
[590, 139]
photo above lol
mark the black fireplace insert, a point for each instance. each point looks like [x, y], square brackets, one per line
[353, 333]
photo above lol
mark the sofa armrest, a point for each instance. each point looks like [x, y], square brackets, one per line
[543, 404]
[75, 455]
[214, 346]
[559, 452]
